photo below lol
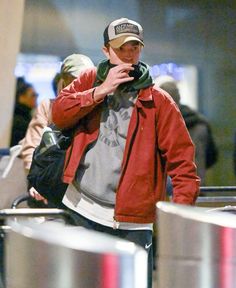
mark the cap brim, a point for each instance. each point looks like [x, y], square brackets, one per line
[118, 42]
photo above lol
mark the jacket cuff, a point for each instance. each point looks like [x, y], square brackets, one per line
[88, 100]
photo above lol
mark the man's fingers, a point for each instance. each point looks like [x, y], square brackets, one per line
[123, 74]
[126, 67]
[125, 79]
[45, 201]
[123, 67]
[116, 76]
[34, 193]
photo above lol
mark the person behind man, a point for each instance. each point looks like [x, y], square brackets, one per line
[127, 138]
[25, 103]
[55, 83]
[199, 129]
[71, 68]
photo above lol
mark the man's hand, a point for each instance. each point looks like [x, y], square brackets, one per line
[35, 194]
[116, 76]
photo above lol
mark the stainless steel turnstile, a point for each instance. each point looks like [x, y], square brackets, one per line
[217, 196]
[52, 255]
[196, 247]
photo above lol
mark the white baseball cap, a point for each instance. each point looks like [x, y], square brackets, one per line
[121, 31]
[76, 63]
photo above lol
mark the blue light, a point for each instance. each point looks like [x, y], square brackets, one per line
[39, 70]
[171, 69]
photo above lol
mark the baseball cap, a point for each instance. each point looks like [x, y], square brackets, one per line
[121, 31]
[76, 63]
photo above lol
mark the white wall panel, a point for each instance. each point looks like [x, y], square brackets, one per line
[11, 17]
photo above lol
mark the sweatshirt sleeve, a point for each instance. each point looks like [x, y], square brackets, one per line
[75, 101]
[178, 152]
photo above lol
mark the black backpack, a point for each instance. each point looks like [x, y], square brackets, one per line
[47, 167]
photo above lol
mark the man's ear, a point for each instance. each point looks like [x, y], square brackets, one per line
[105, 51]
[21, 98]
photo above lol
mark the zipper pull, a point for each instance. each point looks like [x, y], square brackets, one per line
[115, 224]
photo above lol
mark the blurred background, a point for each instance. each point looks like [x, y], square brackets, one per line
[193, 41]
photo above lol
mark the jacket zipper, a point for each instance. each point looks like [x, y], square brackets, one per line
[116, 223]
[69, 156]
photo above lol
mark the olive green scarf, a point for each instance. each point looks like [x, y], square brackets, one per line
[143, 82]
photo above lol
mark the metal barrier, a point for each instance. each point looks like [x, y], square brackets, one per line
[196, 249]
[36, 212]
[20, 199]
[24, 213]
[52, 255]
[217, 199]
[218, 188]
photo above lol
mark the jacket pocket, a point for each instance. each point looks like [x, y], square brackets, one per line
[138, 200]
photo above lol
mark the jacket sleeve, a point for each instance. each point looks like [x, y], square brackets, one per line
[177, 151]
[41, 119]
[75, 101]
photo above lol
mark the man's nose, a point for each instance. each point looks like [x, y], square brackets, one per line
[129, 53]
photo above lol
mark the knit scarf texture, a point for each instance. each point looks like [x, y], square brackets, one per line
[143, 82]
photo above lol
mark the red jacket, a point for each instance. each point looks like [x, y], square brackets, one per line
[157, 143]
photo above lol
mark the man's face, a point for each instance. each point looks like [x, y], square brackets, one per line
[127, 53]
[67, 79]
[29, 98]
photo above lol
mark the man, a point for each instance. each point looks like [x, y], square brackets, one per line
[129, 135]
[25, 102]
[199, 130]
[71, 68]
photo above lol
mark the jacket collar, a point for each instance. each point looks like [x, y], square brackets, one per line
[144, 95]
